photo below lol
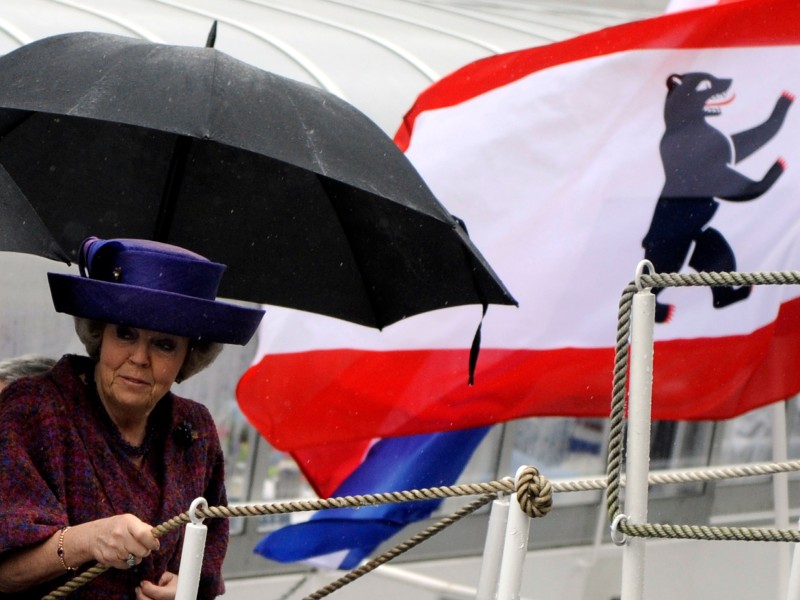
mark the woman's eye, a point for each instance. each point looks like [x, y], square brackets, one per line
[125, 333]
[165, 345]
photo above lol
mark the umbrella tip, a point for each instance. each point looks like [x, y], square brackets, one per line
[212, 36]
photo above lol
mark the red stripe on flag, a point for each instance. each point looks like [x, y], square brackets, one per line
[360, 395]
[326, 467]
[769, 23]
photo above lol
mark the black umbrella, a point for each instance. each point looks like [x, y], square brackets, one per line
[305, 199]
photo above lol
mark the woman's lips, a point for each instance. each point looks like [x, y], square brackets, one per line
[135, 381]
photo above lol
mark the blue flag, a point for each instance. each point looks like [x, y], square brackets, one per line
[348, 535]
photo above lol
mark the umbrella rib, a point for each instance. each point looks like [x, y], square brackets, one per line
[299, 114]
[24, 114]
[377, 322]
[179, 159]
[169, 197]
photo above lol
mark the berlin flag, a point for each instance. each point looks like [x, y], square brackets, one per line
[674, 138]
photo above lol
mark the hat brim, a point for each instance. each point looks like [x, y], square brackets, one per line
[156, 310]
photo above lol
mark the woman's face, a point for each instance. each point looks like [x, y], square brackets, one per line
[137, 366]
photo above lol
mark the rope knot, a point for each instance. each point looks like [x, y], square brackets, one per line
[534, 493]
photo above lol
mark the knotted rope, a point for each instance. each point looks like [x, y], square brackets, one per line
[617, 419]
[533, 492]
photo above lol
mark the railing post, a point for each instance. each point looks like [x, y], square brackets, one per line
[515, 547]
[637, 455]
[493, 549]
[194, 545]
[793, 587]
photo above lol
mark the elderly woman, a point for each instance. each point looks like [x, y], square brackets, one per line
[97, 451]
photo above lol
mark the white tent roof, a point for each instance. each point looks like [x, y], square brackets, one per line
[376, 54]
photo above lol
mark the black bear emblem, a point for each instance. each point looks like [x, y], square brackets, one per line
[698, 161]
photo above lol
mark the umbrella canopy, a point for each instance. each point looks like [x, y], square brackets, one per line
[22, 229]
[306, 200]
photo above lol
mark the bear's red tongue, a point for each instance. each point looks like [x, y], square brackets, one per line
[723, 102]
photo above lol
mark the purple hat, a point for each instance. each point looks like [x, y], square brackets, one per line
[153, 286]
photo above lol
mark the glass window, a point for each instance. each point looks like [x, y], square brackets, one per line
[560, 447]
[748, 438]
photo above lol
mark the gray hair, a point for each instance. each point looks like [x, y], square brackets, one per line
[23, 366]
[200, 355]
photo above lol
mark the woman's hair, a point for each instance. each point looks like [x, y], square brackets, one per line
[200, 355]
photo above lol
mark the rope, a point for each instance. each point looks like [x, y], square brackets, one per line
[290, 592]
[708, 533]
[400, 548]
[534, 493]
[617, 417]
[76, 582]
[714, 278]
[683, 476]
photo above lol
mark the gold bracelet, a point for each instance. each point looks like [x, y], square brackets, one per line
[60, 550]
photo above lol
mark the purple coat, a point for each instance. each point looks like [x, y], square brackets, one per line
[59, 465]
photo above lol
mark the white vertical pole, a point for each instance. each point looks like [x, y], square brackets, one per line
[793, 592]
[493, 549]
[194, 544]
[780, 491]
[637, 456]
[515, 548]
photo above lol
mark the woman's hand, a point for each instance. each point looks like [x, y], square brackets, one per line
[115, 539]
[165, 590]
[108, 541]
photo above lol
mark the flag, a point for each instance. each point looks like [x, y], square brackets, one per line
[552, 156]
[342, 537]
[676, 5]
